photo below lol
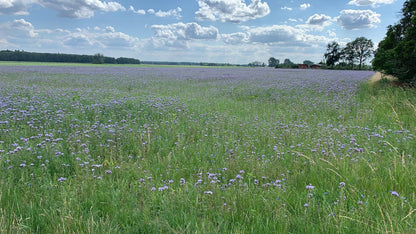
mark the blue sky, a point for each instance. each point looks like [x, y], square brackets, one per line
[227, 31]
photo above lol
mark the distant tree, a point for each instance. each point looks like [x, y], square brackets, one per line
[348, 54]
[273, 62]
[308, 62]
[363, 49]
[396, 53]
[98, 58]
[333, 53]
[256, 64]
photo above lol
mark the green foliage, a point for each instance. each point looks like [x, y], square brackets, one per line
[396, 53]
[333, 53]
[98, 58]
[362, 49]
[308, 62]
[256, 64]
[273, 62]
[23, 56]
[358, 50]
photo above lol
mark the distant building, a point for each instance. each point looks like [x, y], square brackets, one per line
[303, 66]
[316, 66]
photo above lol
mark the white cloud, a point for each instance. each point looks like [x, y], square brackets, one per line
[275, 34]
[231, 10]
[370, 2]
[235, 38]
[18, 30]
[107, 37]
[319, 20]
[177, 35]
[15, 7]
[305, 6]
[170, 13]
[22, 34]
[358, 19]
[80, 8]
[65, 8]
[139, 12]
[286, 8]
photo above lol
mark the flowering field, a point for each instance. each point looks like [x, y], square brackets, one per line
[143, 150]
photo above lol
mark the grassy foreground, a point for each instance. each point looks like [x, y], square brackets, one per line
[166, 151]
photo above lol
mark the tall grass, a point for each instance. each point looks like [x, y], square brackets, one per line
[194, 150]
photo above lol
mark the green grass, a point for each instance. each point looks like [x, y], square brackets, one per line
[164, 130]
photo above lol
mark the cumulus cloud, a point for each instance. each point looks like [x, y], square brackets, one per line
[358, 19]
[107, 37]
[235, 38]
[276, 35]
[305, 6]
[65, 8]
[139, 12]
[286, 8]
[170, 13]
[18, 30]
[80, 8]
[15, 7]
[178, 34]
[319, 20]
[231, 10]
[370, 2]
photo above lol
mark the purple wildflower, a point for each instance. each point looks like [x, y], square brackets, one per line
[394, 193]
[61, 179]
[309, 187]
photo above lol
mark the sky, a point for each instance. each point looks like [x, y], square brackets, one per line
[223, 31]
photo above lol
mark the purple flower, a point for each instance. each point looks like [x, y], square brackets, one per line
[394, 193]
[208, 192]
[342, 184]
[61, 179]
[306, 205]
[309, 187]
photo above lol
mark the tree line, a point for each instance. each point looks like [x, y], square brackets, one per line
[357, 51]
[19, 55]
[396, 53]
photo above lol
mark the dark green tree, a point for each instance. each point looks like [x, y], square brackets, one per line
[396, 53]
[348, 54]
[273, 62]
[362, 49]
[98, 58]
[333, 53]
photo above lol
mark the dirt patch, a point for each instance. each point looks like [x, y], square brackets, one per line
[378, 76]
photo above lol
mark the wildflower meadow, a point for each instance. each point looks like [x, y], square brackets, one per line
[99, 149]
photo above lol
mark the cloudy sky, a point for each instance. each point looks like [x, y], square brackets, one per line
[228, 31]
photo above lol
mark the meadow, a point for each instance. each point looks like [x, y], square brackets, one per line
[204, 150]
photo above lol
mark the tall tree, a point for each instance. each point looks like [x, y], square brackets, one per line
[396, 53]
[273, 62]
[333, 53]
[348, 54]
[363, 49]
